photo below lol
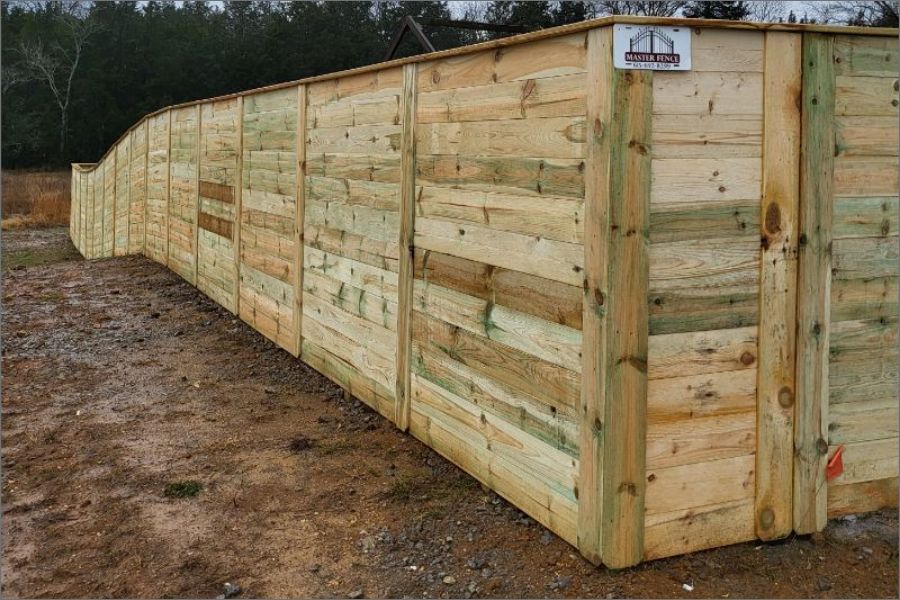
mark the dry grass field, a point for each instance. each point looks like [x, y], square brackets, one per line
[35, 198]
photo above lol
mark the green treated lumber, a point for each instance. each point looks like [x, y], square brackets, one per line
[814, 284]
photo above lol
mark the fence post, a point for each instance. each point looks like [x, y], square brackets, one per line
[168, 185]
[407, 229]
[238, 193]
[814, 283]
[299, 218]
[128, 192]
[612, 477]
[197, 197]
[146, 179]
[778, 286]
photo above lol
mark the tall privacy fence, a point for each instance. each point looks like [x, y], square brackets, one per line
[653, 309]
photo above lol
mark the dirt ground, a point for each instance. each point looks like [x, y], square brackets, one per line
[120, 381]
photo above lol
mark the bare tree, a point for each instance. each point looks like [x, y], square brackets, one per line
[766, 11]
[10, 76]
[56, 64]
[878, 13]
[647, 8]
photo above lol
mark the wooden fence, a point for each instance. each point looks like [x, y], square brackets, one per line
[645, 307]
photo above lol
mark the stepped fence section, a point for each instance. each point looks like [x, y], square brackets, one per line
[648, 308]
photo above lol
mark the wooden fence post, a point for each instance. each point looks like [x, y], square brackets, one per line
[814, 283]
[238, 178]
[407, 230]
[128, 192]
[146, 179]
[616, 320]
[299, 217]
[596, 233]
[778, 286]
[197, 198]
[168, 186]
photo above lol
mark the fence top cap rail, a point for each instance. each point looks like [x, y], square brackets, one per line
[524, 38]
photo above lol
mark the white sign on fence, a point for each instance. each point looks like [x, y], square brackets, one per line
[652, 47]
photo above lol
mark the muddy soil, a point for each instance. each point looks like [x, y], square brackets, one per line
[122, 385]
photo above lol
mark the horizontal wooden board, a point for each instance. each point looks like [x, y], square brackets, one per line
[707, 136]
[679, 223]
[553, 343]
[867, 461]
[865, 56]
[859, 422]
[727, 51]
[217, 191]
[698, 528]
[865, 217]
[865, 176]
[865, 96]
[554, 57]
[550, 259]
[678, 399]
[552, 217]
[562, 96]
[528, 176]
[346, 375]
[534, 476]
[856, 258]
[551, 383]
[527, 412]
[551, 137]
[700, 439]
[700, 484]
[695, 181]
[862, 497]
[698, 93]
[549, 300]
[866, 298]
[677, 354]
[866, 136]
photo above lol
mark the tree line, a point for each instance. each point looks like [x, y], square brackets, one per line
[76, 75]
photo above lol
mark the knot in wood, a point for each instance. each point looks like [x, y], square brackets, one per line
[786, 397]
[747, 358]
[629, 488]
[821, 446]
[773, 218]
[766, 518]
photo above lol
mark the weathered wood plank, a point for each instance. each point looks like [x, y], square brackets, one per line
[698, 528]
[866, 136]
[595, 322]
[865, 217]
[562, 96]
[551, 137]
[549, 300]
[532, 474]
[814, 284]
[861, 96]
[564, 55]
[674, 354]
[626, 352]
[862, 497]
[778, 287]
[552, 384]
[865, 56]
